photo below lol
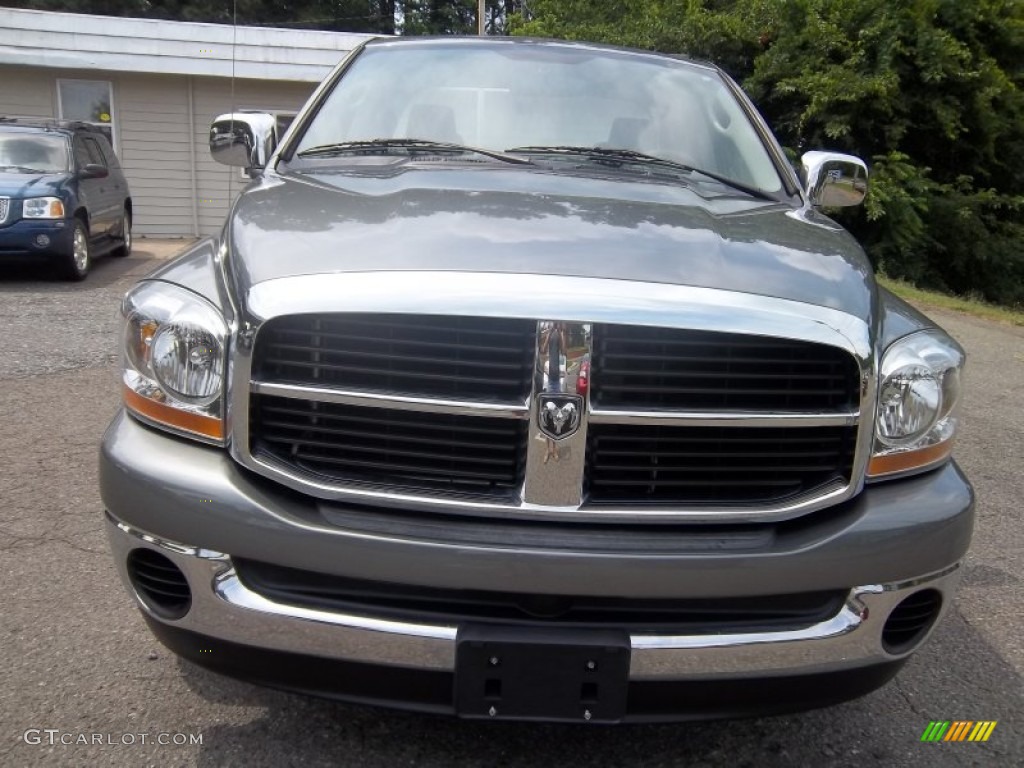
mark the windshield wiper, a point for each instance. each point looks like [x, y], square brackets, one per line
[633, 156]
[414, 145]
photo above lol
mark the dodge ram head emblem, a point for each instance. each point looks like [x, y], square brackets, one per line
[559, 415]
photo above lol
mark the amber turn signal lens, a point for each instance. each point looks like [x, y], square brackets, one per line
[196, 423]
[904, 461]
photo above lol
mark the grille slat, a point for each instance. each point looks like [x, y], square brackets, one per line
[738, 375]
[766, 437]
[414, 471]
[414, 439]
[354, 450]
[378, 417]
[387, 446]
[391, 358]
[484, 359]
[694, 455]
[398, 343]
[420, 323]
[411, 382]
[665, 473]
[752, 373]
[746, 359]
[675, 390]
[663, 485]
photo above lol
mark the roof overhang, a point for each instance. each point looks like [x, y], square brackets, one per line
[106, 43]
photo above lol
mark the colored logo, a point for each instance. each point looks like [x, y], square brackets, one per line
[958, 730]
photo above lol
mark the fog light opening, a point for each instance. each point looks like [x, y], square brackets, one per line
[42, 240]
[910, 621]
[159, 583]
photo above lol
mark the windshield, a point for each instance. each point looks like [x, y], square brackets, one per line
[503, 96]
[30, 152]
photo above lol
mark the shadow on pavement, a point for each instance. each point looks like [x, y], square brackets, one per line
[43, 277]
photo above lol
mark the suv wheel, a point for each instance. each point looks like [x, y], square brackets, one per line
[78, 261]
[125, 249]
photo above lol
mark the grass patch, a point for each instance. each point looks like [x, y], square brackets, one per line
[925, 298]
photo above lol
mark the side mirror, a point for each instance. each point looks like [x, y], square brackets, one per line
[93, 171]
[243, 139]
[834, 180]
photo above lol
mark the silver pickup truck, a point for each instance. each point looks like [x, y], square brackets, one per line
[528, 381]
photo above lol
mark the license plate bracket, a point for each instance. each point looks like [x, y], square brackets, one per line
[518, 673]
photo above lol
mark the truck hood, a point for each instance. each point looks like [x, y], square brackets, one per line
[510, 219]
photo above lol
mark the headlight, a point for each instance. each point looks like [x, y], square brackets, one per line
[42, 208]
[175, 346]
[918, 392]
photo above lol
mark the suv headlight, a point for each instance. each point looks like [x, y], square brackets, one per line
[918, 393]
[42, 208]
[175, 346]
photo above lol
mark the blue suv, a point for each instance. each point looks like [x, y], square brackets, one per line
[63, 196]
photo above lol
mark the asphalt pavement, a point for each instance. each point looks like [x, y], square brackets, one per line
[79, 665]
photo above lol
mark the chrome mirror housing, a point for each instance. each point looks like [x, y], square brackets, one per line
[243, 139]
[834, 180]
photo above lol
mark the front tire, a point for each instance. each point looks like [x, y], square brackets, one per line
[125, 249]
[79, 260]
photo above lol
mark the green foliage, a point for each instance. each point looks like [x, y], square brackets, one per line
[700, 28]
[454, 17]
[930, 91]
[439, 17]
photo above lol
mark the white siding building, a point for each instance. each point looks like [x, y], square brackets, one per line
[155, 86]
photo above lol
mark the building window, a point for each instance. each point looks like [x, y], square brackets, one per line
[283, 118]
[87, 101]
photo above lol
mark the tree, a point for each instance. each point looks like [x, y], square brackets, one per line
[438, 17]
[928, 91]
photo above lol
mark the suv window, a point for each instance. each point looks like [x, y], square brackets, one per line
[108, 151]
[95, 151]
[83, 153]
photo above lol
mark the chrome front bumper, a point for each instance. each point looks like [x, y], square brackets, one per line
[223, 608]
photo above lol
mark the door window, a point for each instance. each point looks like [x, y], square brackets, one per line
[84, 154]
[109, 158]
[95, 153]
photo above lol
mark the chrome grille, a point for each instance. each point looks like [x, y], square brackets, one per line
[667, 368]
[454, 357]
[402, 409]
[5, 204]
[715, 465]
